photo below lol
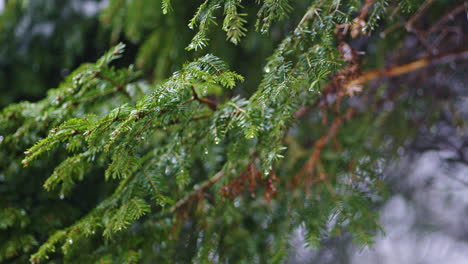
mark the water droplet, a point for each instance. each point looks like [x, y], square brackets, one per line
[92, 232]
[62, 196]
[1, 139]
[70, 241]
[217, 140]
[267, 69]
[401, 151]
[206, 152]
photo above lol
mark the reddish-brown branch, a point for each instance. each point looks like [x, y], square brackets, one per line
[358, 23]
[365, 9]
[249, 180]
[409, 67]
[306, 173]
[391, 72]
[211, 104]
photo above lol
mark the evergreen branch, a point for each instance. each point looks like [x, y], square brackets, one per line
[85, 226]
[234, 22]
[197, 191]
[166, 6]
[123, 139]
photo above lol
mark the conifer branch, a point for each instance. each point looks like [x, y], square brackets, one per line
[197, 191]
[154, 142]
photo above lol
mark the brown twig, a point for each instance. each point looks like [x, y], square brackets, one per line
[305, 174]
[365, 9]
[450, 15]
[118, 86]
[211, 104]
[197, 191]
[111, 81]
[409, 67]
[249, 180]
[391, 72]
[358, 23]
[409, 25]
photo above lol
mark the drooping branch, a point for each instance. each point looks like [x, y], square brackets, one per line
[305, 175]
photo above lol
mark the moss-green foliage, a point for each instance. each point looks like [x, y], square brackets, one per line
[120, 150]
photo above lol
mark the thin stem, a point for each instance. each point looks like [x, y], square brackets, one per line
[111, 81]
[307, 170]
[205, 185]
[450, 15]
[407, 68]
[211, 104]
[417, 15]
